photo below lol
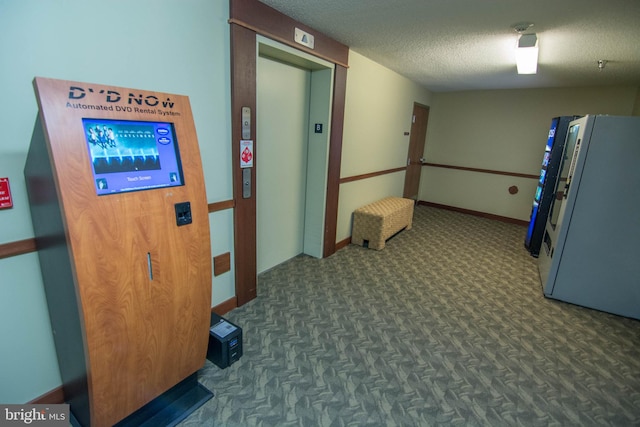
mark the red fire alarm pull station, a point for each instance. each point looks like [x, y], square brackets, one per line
[5, 194]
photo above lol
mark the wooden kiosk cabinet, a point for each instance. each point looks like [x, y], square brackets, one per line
[119, 210]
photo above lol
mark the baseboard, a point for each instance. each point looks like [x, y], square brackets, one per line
[475, 213]
[225, 306]
[52, 397]
[346, 242]
[343, 243]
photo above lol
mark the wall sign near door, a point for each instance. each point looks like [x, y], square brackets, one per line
[246, 154]
[304, 38]
[5, 194]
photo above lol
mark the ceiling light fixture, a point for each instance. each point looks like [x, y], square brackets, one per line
[526, 50]
[527, 54]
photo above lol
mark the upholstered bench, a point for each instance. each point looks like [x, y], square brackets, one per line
[378, 221]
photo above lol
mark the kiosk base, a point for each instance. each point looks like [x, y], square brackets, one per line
[168, 409]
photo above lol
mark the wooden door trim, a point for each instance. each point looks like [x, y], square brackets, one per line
[264, 20]
[243, 94]
[335, 158]
[286, 41]
[248, 18]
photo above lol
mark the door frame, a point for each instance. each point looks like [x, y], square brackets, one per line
[316, 144]
[248, 18]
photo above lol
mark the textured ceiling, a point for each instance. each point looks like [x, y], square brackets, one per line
[454, 45]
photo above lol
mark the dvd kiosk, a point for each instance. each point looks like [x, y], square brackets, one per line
[120, 215]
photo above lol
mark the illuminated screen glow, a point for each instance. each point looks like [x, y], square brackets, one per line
[132, 155]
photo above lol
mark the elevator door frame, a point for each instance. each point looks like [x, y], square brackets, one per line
[248, 19]
[316, 143]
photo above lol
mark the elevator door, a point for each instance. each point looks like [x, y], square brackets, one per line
[283, 95]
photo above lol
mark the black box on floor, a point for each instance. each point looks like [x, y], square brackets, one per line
[225, 342]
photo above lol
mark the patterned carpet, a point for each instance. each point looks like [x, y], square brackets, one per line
[445, 326]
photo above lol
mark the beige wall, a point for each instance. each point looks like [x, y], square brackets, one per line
[503, 130]
[378, 109]
[187, 52]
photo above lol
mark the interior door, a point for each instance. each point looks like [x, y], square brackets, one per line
[416, 150]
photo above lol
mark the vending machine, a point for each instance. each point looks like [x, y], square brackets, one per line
[545, 191]
[589, 253]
